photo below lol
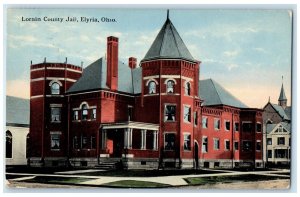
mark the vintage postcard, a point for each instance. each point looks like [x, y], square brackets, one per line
[148, 98]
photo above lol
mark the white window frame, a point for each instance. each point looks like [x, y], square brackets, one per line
[55, 115]
[169, 104]
[214, 139]
[166, 83]
[226, 121]
[190, 147]
[225, 148]
[190, 114]
[186, 93]
[52, 83]
[204, 117]
[218, 119]
[204, 151]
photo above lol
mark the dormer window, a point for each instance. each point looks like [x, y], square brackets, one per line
[170, 87]
[55, 88]
[152, 87]
[187, 88]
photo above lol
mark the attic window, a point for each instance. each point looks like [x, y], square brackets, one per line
[84, 112]
[152, 87]
[187, 88]
[170, 86]
[55, 88]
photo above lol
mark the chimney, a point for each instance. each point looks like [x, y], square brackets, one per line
[112, 63]
[132, 62]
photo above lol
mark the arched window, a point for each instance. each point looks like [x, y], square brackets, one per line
[152, 87]
[170, 86]
[55, 88]
[84, 109]
[8, 144]
[187, 88]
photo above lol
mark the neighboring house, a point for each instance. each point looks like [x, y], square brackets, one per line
[156, 115]
[277, 131]
[17, 129]
[278, 144]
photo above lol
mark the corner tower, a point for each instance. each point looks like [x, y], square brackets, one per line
[170, 77]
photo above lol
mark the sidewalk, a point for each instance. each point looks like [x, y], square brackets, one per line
[176, 180]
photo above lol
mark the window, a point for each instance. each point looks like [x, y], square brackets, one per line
[204, 145]
[280, 129]
[170, 112]
[236, 145]
[94, 111]
[55, 114]
[55, 88]
[247, 127]
[55, 141]
[280, 141]
[84, 112]
[187, 114]
[236, 126]
[258, 127]
[227, 125]
[169, 141]
[247, 145]
[93, 142]
[170, 86]
[216, 144]
[204, 122]
[75, 142]
[227, 145]
[269, 141]
[75, 115]
[84, 142]
[8, 144]
[195, 118]
[152, 87]
[269, 153]
[217, 124]
[281, 153]
[187, 88]
[130, 113]
[187, 142]
[258, 145]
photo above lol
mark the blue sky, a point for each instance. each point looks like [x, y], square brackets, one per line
[246, 51]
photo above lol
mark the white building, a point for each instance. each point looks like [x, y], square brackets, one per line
[17, 129]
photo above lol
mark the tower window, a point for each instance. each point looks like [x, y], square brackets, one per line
[187, 88]
[55, 88]
[217, 124]
[187, 142]
[170, 112]
[94, 113]
[152, 87]
[170, 86]
[258, 127]
[204, 122]
[187, 114]
[169, 141]
[247, 145]
[55, 141]
[55, 114]
[75, 115]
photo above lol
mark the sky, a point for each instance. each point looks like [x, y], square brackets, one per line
[246, 51]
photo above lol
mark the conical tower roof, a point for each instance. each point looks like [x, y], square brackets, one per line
[168, 45]
[282, 96]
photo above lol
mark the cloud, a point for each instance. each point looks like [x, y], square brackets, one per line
[231, 66]
[231, 53]
[85, 38]
[23, 38]
[259, 49]
[18, 88]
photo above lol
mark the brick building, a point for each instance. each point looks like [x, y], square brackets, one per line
[158, 114]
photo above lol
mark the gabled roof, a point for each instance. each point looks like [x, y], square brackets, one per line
[214, 94]
[17, 111]
[272, 127]
[279, 109]
[94, 77]
[168, 44]
[282, 96]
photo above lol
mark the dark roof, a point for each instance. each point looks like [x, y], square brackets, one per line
[288, 112]
[214, 94]
[286, 126]
[168, 44]
[282, 96]
[94, 77]
[17, 111]
[279, 109]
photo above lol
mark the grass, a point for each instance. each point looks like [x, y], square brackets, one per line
[57, 180]
[229, 179]
[135, 184]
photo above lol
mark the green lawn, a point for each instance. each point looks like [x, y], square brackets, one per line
[57, 180]
[135, 184]
[229, 179]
